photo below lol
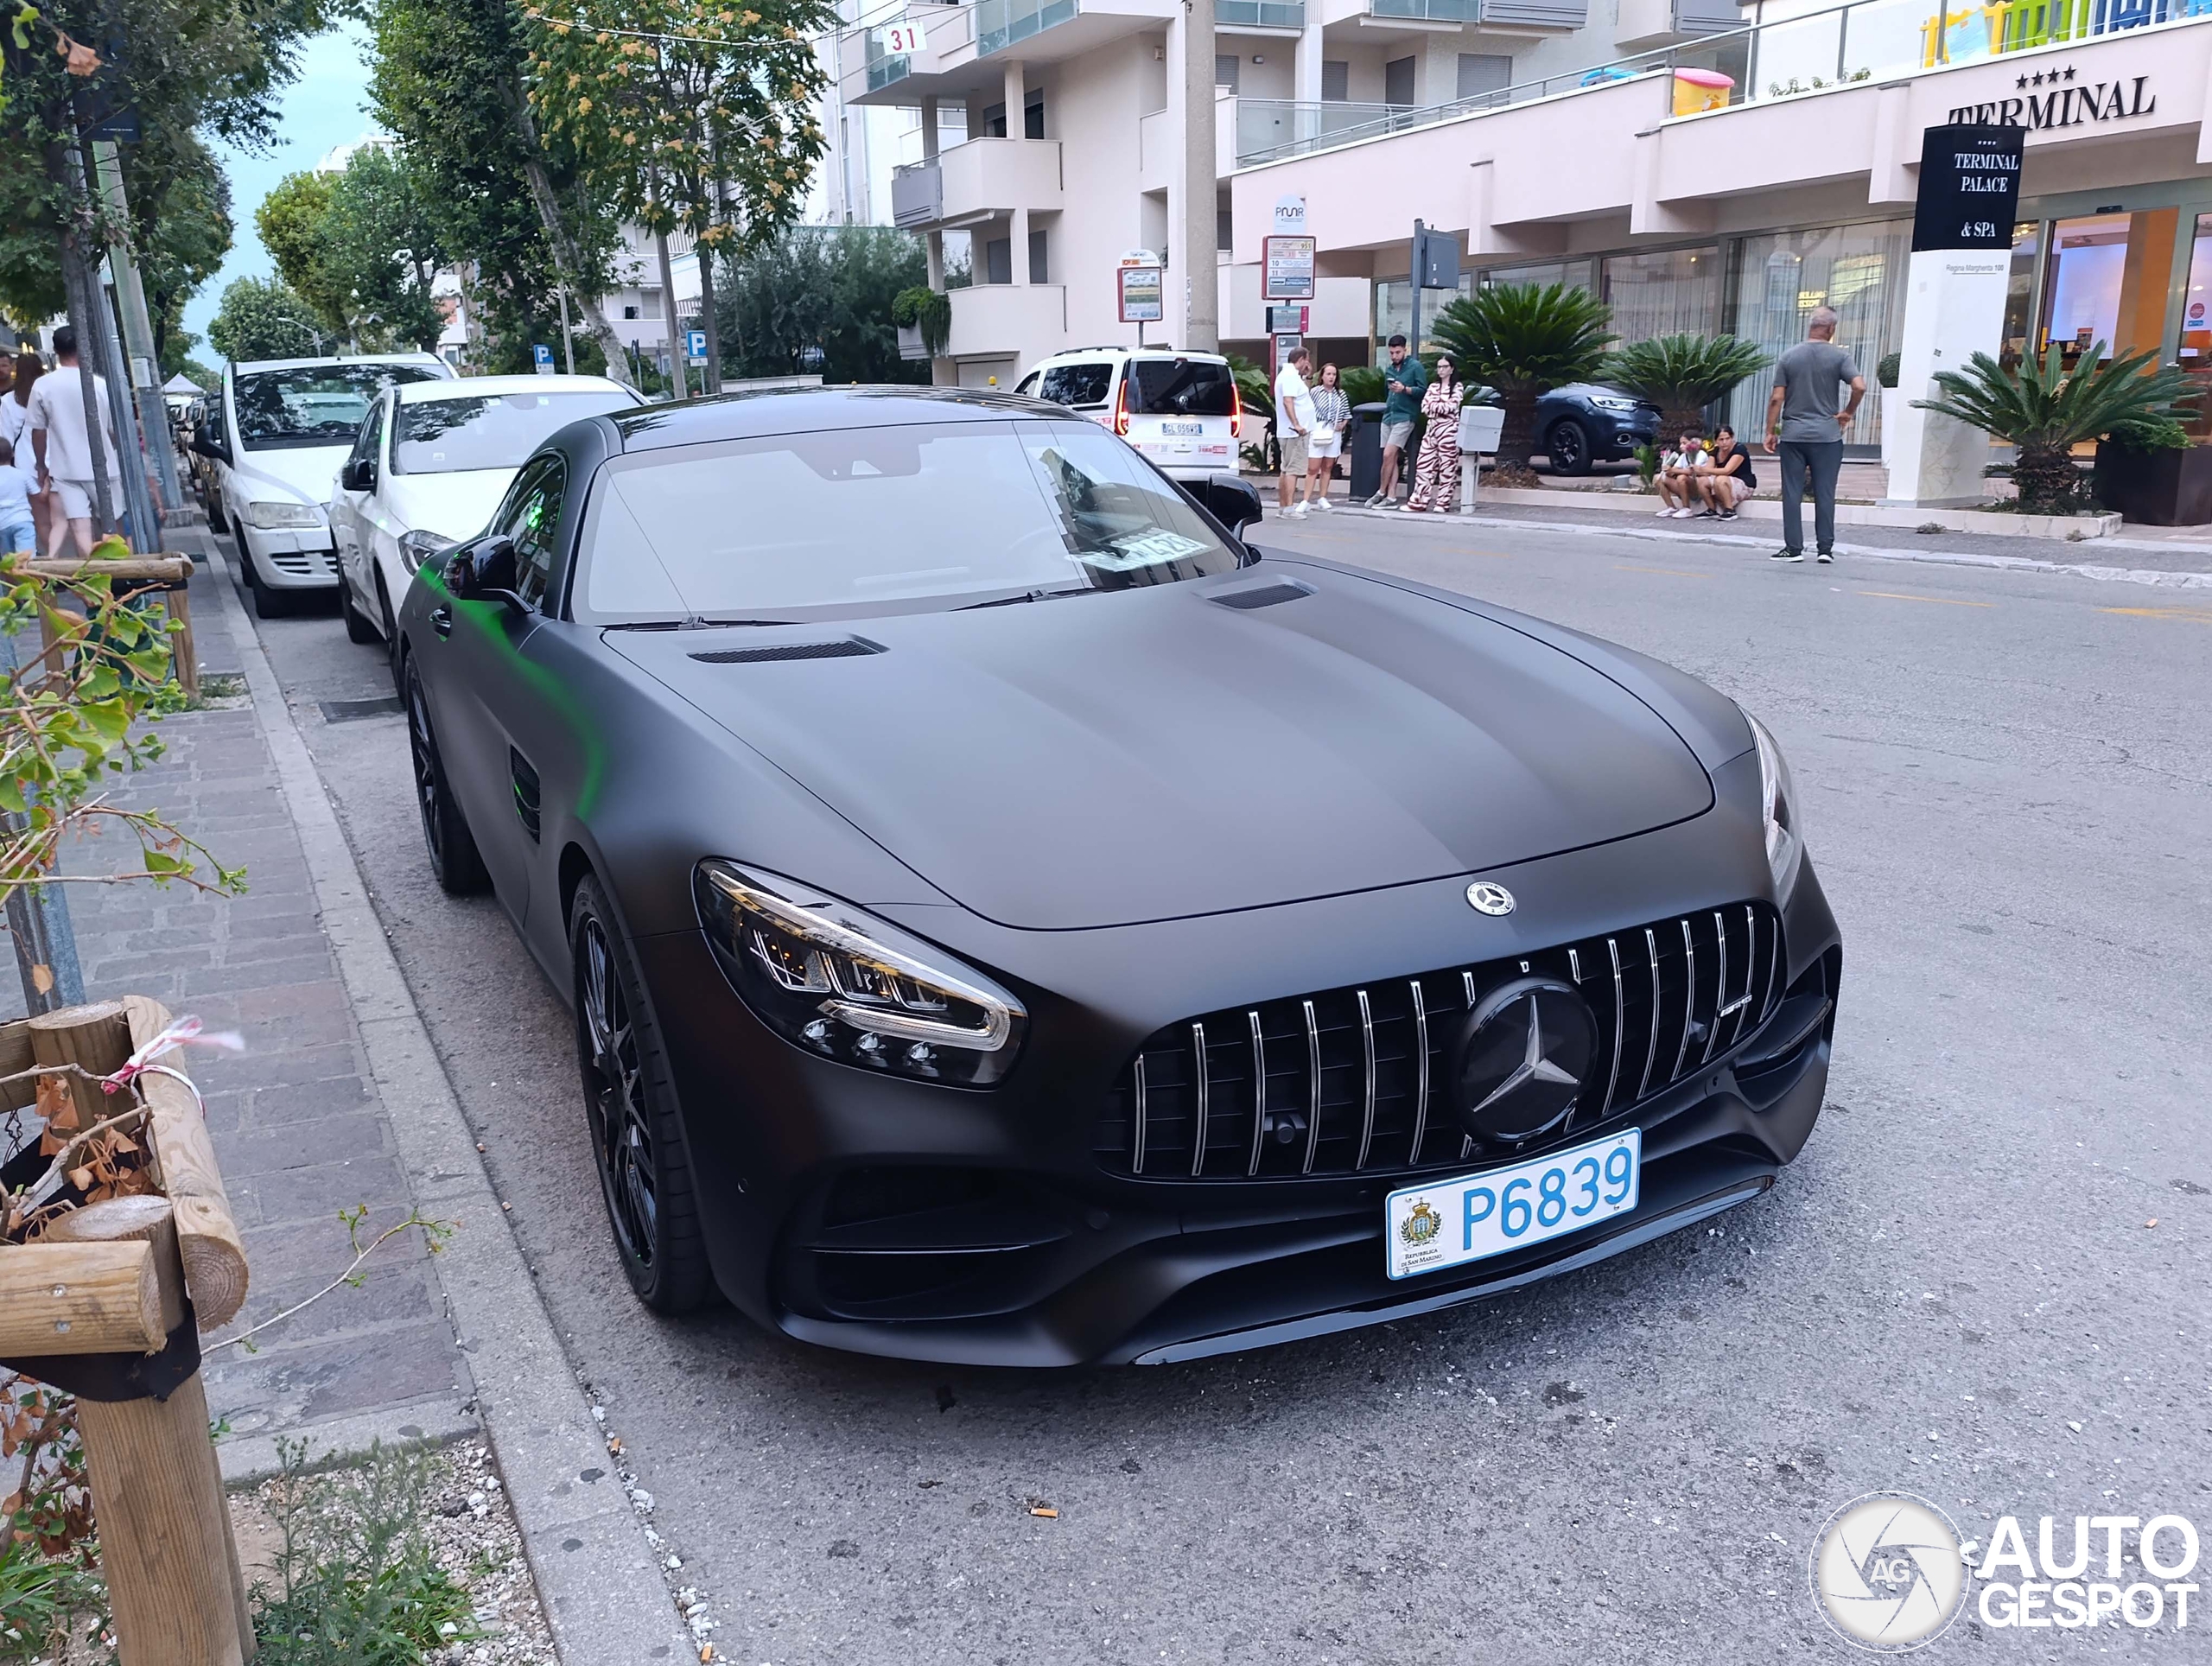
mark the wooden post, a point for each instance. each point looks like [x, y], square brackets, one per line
[80, 1298]
[215, 1254]
[181, 643]
[96, 1037]
[139, 569]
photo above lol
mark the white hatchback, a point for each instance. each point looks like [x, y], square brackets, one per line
[430, 463]
[1180, 409]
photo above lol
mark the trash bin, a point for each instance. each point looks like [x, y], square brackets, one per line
[1366, 451]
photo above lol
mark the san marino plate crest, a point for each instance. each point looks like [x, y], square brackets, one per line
[1420, 1226]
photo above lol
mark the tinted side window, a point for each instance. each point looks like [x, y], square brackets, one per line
[531, 518]
[1028, 385]
[370, 444]
[1076, 385]
[1182, 387]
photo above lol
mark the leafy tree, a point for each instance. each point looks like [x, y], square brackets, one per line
[1522, 339]
[698, 115]
[181, 230]
[829, 287]
[261, 319]
[377, 210]
[293, 220]
[514, 213]
[1683, 375]
[2044, 413]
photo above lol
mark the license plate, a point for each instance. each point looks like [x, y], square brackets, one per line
[1173, 428]
[1447, 1223]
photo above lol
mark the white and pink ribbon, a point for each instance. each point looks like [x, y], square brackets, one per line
[179, 1032]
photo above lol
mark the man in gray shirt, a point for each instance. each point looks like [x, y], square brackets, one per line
[1805, 427]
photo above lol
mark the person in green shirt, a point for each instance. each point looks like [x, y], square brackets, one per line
[1405, 378]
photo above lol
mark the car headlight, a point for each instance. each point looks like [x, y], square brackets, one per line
[270, 514]
[1611, 401]
[829, 978]
[417, 547]
[1778, 811]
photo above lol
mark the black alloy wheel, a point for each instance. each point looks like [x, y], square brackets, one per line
[644, 1177]
[454, 856]
[1568, 447]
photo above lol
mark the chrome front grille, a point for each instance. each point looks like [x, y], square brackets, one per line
[1354, 1081]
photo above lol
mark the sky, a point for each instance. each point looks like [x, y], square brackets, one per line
[325, 107]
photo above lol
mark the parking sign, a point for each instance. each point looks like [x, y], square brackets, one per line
[694, 346]
[541, 357]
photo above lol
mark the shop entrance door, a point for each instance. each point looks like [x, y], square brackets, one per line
[2106, 281]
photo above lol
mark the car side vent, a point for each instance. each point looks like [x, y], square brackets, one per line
[846, 648]
[1261, 595]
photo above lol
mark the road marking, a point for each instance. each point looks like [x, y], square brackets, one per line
[1942, 601]
[1671, 572]
[1462, 550]
[2197, 615]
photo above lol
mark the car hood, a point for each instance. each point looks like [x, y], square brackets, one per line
[296, 474]
[457, 504]
[1113, 759]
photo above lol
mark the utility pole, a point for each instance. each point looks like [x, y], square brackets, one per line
[668, 317]
[568, 341]
[1202, 306]
[137, 324]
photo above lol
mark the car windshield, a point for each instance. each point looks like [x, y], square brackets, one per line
[880, 519]
[488, 430]
[1181, 387]
[313, 404]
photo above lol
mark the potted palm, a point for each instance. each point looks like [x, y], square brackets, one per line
[1684, 375]
[2153, 473]
[1523, 339]
[1892, 401]
[2043, 413]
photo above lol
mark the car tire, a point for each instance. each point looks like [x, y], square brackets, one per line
[216, 523]
[267, 603]
[1568, 445]
[454, 855]
[630, 1111]
[358, 626]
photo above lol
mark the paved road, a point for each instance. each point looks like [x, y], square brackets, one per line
[1956, 1291]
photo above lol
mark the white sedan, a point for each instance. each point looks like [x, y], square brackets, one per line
[430, 464]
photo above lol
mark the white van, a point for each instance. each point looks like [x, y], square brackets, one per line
[1180, 409]
[274, 437]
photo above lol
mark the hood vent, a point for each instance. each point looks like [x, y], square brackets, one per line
[845, 648]
[1261, 595]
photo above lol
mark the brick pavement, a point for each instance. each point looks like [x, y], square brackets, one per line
[297, 1125]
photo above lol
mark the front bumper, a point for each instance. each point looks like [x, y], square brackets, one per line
[1616, 436]
[887, 1217]
[290, 558]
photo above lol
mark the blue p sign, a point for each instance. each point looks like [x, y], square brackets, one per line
[694, 346]
[541, 356]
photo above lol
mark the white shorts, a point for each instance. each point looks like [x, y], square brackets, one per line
[1331, 447]
[74, 497]
[1736, 490]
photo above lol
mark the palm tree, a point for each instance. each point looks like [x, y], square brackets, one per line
[1683, 375]
[2045, 413]
[1522, 339]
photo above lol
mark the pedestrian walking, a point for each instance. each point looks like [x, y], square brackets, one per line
[18, 531]
[1294, 422]
[1403, 379]
[1436, 481]
[1805, 429]
[1725, 478]
[1677, 479]
[15, 428]
[54, 419]
[1325, 442]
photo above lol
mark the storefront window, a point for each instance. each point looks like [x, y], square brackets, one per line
[2019, 291]
[1575, 274]
[2088, 262]
[1394, 310]
[1667, 294]
[2195, 351]
[1780, 279]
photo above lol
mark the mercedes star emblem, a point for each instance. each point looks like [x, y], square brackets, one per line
[1488, 899]
[1526, 1049]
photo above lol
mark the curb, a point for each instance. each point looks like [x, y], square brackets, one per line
[2151, 575]
[600, 1582]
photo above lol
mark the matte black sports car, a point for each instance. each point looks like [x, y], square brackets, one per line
[1009, 922]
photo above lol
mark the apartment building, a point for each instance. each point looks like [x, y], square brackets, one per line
[1702, 172]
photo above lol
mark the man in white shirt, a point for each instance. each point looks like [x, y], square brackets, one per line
[55, 422]
[1293, 419]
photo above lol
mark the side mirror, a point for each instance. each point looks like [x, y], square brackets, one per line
[358, 475]
[211, 445]
[1235, 503]
[486, 572]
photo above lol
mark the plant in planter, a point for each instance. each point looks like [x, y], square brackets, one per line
[1683, 375]
[2043, 413]
[2151, 472]
[1523, 339]
[1361, 385]
[1255, 395]
[927, 310]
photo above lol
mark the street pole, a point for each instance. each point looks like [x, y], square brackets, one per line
[1415, 268]
[1201, 277]
[137, 492]
[668, 317]
[137, 324]
[568, 341]
[38, 916]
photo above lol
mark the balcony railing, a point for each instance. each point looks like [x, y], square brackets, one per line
[883, 67]
[1428, 11]
[1260, 14]
[1866, 40]
[1000, 23]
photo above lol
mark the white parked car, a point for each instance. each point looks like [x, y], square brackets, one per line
[277, 429]
[431, 461]
[1178, 409]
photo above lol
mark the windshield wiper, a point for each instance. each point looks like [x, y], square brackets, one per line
[1028, 596]
[692, 623]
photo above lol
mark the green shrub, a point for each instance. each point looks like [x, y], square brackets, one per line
[1885, 368]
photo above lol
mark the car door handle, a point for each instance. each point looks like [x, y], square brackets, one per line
[441, 620]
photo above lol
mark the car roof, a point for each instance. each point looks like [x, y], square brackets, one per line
[342, 359]
[416, 393]
[760, 412]
[1131, 353]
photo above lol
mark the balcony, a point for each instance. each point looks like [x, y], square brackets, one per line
[1022, 322]
[1001, 23]
[882, 68]
[983, 178]
[1647, 24]
[1526, 14]
[1260, 14]
[1159, 151]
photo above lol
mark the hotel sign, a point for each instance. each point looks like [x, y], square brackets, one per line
[1969, 188]
[2054, 99]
